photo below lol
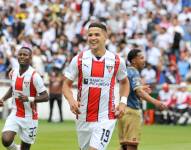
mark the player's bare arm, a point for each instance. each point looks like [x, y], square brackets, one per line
[6, 96]
[147, 88]
[145, 96]
[42, 97]
[124, 92]
[67, 91]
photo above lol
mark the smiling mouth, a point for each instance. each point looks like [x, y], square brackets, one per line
[93, 43]
[22, 61]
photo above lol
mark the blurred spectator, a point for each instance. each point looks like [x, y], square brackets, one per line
[4, 52]
[164, 40]
[55, 89]
[149, 74]
[165, 95]
[172, 74]
[183, 65]
[38, 61]
[182, 97]
[59, 59]
[112, 45]
[176, 31]
[123, 49]
[86, 8]
[153, 54]
[187, 30]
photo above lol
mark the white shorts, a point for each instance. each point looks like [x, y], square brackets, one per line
[94, 134]
[26, 128]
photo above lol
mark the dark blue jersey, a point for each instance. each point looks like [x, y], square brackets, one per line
[135, 82]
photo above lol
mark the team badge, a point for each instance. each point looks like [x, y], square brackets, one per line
[26, 83]
[109, 68]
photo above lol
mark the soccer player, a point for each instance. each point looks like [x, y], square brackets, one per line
[27, 89]
[97, 70]
[129, 125]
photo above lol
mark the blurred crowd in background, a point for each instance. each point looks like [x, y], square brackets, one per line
[56, 31]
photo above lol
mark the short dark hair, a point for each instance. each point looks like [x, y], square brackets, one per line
[25, 47]
[98, 25]
[132, 54]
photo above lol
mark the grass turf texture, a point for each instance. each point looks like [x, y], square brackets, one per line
[62, 136]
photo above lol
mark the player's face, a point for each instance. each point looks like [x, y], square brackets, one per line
[140, 61]
[96, 38]
[24, 56]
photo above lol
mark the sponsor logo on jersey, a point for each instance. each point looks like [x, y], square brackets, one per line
[95, 82]
[85, 81]
[85, 65]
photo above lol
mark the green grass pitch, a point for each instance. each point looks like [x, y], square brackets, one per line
[62, 136]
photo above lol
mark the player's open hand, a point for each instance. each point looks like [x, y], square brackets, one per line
[160, 105]
[75, 107]
[120, 110]
[1, 102]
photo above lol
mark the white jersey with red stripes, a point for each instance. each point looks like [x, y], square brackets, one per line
[96, 81]
[30, 84]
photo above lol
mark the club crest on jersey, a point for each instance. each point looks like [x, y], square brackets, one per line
[109, 68]
[26, 83]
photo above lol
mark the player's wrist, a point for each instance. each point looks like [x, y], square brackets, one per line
[123, 100]
[31, 99]
[71, 101]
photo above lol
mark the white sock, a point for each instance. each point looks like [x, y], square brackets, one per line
[13, 146]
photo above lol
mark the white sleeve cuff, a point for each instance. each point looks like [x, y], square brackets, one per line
[123, 100]
[31, 99]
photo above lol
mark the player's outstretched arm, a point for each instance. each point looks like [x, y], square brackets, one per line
[147, 88]
[6, 96]
[42, 97]
[67, 91]
[145, 96]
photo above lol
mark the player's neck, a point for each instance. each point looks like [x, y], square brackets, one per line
[98, 53]
[134, 66]
[23, 68]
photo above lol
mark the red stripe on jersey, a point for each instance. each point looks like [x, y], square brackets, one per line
[33, 94]
[32, 87]
[19, 104]
[98, 68]
[93, 104]
[80, 76]
[34, 111]
[111, 114]
[95, 93]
